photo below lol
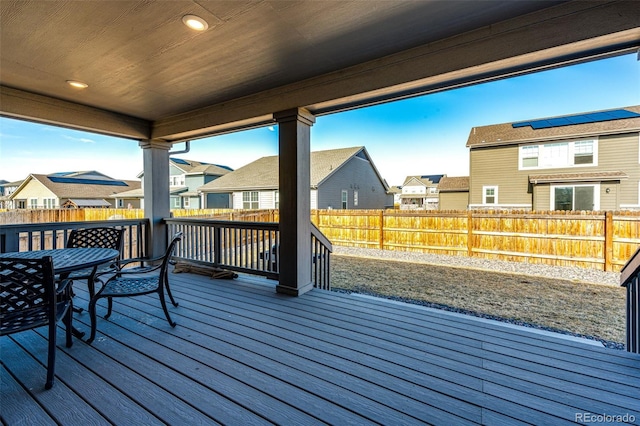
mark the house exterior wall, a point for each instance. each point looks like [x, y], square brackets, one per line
[34, 190]
[454, 200]
[622, 152]
[314, 199]
[499, 167]
[356, 175]
[217, 201]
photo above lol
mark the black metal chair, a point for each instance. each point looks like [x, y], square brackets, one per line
[135, 281]
[29, 298]
[105, 237]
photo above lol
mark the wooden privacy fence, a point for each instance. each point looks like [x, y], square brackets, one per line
[597, 240]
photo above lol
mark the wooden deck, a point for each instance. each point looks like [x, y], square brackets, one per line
[244, 355]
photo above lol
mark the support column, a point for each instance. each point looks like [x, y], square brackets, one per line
[294, 128]
[155, 182]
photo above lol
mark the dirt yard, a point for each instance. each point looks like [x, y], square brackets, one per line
[586, 309]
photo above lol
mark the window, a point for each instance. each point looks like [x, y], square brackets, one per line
[176, 202]
[573, 197]
[489, 195]
[121, 203]
[250, 200]
[530, 156]
[561, 154]
[583, 152]
[355, 198]
[276, 198]
[432, 189]
[33, 203]
[177, 180]
[185, 202]
[344, 199]
[49, 203]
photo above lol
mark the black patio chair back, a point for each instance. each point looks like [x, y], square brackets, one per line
[29, 299]
[105, 237]
[136, 281]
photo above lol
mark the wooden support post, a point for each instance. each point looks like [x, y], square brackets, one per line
[381, 229]
[608, 241]
[469, 233]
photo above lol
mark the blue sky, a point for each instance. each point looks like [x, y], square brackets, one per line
[417, 136]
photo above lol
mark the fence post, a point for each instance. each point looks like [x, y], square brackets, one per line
[608, 241]
[469, 233]
[381, 229]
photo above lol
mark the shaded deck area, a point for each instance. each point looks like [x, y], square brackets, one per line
[244, 355]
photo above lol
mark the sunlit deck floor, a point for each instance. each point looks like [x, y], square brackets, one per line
[242, 354]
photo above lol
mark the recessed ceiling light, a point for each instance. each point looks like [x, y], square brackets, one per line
[195, 22]
[77, 84]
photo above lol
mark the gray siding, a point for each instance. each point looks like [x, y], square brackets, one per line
[356, 175]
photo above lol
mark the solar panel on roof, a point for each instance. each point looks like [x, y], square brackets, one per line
[432, 178]
[60, 179]
[568, 120]
[180, 161]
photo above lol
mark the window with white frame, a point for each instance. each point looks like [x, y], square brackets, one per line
[185, 202]
[489, 195]
[176, 202]
[120, 203]
[33, 203]
[49, 203]
[344, 199]
[177, 180]
[559, 154]
[250, 200]
[355, 198]
[276, 199]
[574, 197]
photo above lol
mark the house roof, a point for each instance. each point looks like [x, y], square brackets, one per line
[426, 180]
[198, 167]
[80, 185]
[519, 132]
[82, 202]
[263, 173]
[454, 184]
[577, 177]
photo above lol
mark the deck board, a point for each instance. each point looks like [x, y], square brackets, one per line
[242, 354]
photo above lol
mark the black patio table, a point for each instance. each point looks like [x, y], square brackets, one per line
[66, 260]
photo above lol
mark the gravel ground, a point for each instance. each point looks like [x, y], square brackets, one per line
[573, 301]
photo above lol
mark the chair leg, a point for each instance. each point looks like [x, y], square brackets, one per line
[92, 315]
[166, 284]
[51, 355]
[109, 307]
[68, 325]
[164, 307]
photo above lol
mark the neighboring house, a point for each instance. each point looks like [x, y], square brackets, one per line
[397, 195]
[340, 179]
[587, 161]
[420, 192]
[185, 177]
[6, 189]
[454, 193]
[69, 190]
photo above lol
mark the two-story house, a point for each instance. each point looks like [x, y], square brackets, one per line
[344, 178]
[69, 190]
[6, 189]
[588, 161]
[185, 176]
[420, 192]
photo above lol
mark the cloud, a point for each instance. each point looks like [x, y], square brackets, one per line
[82, 140]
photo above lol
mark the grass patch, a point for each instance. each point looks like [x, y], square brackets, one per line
[587, 309]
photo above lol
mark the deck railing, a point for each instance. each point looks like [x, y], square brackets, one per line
[250, 247]
[52, 235]
[630, 278]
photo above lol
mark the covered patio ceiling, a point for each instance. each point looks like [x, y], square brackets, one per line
[151, 77]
